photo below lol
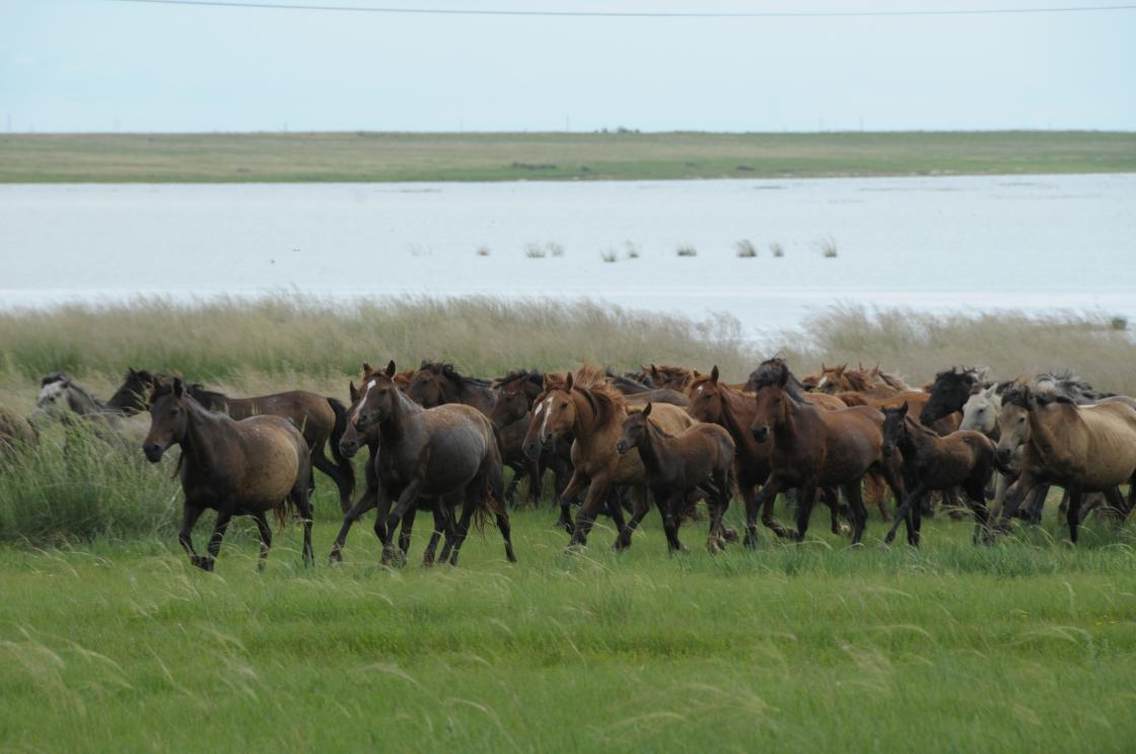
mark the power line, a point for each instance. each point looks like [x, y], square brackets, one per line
[636, 14]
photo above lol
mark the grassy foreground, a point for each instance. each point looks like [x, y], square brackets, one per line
[1027, 646]
[364, 156]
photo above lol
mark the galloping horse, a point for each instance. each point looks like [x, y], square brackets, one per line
[1089, 448]
[592, 412]
[716, 402]
[678, 465]
[813, 449]
[353, 439]
[237, 468]
[961, 459]
[321, 419]
[448, 452]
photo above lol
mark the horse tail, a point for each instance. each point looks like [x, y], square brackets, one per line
[337, 431]
[282, 511]
[494, 493]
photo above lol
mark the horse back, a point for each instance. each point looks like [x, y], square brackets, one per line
[311, 412]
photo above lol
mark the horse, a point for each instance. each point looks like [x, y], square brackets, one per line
[813, 449]
[447, 453]
[874, 383]
[321, 419]
[1089, 448]
[950, 392]
[241, 467]
[592, 412]
[62, 398]
[673, 377]
[961, 459]
[436, 383]
[678, 465]
[716, 402]
[516, 394]
[350, 444]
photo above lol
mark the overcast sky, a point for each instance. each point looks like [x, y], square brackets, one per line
[93, 65]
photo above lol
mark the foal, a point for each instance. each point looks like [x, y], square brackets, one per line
[961, 459]
[678, 465]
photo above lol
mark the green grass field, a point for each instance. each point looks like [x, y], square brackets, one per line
[110, 641]
[122, 646]
[363, 156]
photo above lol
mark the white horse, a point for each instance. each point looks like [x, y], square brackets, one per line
[61, 398]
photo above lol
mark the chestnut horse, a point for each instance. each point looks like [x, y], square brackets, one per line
[961, 459]
[592, 412]
[813, 449]
[716, 402]
[678, 465]
[237, 468]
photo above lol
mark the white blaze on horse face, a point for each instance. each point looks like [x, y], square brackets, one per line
[362, 401]
[545, 407]
[49, 393]
[822, 382]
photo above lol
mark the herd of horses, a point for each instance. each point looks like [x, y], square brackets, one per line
[438, 441]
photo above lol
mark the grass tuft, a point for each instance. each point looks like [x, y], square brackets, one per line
[745, 249]
[686, 250]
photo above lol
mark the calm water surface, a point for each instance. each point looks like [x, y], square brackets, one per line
[972, 244]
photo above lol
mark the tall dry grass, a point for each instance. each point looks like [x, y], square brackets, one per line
[918, 345]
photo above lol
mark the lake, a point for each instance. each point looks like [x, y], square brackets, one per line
[1036, 244]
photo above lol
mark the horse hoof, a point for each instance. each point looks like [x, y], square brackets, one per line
[335, 558]
[730, 535]
[575, 548]
[204, 562]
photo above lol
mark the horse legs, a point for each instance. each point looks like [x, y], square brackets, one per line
[671, 509]
[304, 506]
[535, 473]
[441, 525]
[642, 506]
[716, 537]
[1014, 496]
[406, 529]
[764, 500]
[1036, 505]
[911, 502]
[345, 487]
[806, 497]
[265, 539]
[365, 503]
[1073, 515]
[506, 534]
[406, 500]
[189, 516]
[566, 498]
[832, 500]
[597, 496]
[214, 547]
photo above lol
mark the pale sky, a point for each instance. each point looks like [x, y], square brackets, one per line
[93, 65]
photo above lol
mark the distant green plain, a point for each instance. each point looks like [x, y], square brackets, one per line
[364, 156]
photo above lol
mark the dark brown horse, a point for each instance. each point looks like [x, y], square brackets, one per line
[322, 420]
[680, 465]
[714, 401]
[444, 453]
[961, 459]
[813, 449]
[353, 439]
[437, 383]
[237, 468]
[516, 394]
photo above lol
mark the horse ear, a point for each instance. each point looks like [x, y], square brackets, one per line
[179, 387]
[353, 391]
[823, 368]
[569, 382]
[654, 371]
[647, 410]
[714, 375]
[390, 368]
[783, 378]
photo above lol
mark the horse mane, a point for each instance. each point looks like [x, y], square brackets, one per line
[532, 375]
[606, 401]
[891, 379]
[772, 372]
[446, 369]
[1016, 394]
[859, 380]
